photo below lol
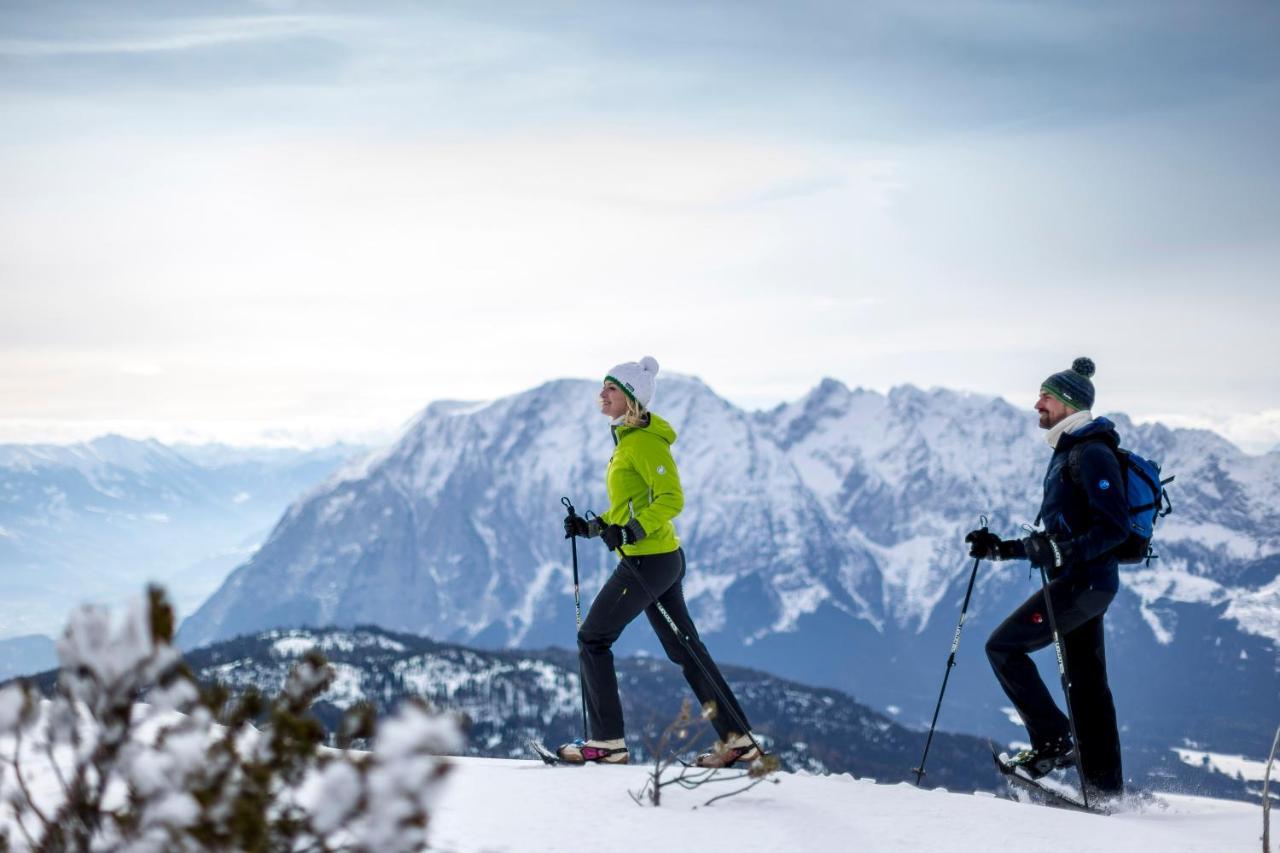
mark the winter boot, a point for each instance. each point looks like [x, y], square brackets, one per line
[1041, 760]
[740, 748]
[594, 752]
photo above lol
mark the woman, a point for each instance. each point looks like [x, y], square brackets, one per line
[643, 489]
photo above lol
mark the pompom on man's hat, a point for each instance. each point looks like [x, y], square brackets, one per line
[1073, 386]
[636, 379]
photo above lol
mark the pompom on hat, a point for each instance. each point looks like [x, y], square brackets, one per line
[1073, 386]
[635, 378]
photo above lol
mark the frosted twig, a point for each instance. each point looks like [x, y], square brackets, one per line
[22, 781]
[57, 771]
[740, 790]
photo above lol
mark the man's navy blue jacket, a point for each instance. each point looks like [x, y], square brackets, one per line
[1088, 514]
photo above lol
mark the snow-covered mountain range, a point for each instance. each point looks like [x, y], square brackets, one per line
[824, 542]
[94, 521]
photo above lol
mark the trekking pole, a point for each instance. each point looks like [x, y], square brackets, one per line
[951, 661]
[1066, 683]
[688, 647]
[577, 615]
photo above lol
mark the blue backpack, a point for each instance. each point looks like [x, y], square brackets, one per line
[1148, 502]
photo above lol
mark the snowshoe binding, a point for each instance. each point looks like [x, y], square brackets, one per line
[1040, 761]
[593, 752]
[738, 750]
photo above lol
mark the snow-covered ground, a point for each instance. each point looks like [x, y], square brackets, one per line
[495, 805]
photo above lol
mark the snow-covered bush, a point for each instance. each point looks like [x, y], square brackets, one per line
[131, 754]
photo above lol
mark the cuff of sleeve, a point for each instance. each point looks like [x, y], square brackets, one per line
[634, 531]
[1012, 549]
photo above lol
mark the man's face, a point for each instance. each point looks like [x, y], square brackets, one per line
[1051, 409]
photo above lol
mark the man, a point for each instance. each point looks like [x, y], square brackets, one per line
[1085, 516]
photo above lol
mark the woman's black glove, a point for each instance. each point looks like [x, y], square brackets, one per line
[616, 535]
[576, 525]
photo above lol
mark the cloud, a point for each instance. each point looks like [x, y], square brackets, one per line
[181, 35]
[390, 203]
[1253, 432]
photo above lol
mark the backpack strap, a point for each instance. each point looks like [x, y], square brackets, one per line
[1073, 470]
[1073, 463]
[1122, 459]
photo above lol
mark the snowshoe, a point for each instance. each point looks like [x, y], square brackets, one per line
[1042, 760]
[741, 749]
[593, 752]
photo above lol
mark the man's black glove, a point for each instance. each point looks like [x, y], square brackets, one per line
[576, 525]
[985, 545]
[982, 543]
[616, 535]
[1042, 551]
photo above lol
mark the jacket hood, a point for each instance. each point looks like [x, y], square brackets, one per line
[1098, 429]
[658, 427]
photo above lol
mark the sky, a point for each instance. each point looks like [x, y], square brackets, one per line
[294, 222]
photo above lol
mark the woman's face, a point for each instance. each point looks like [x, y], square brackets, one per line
[613, 402]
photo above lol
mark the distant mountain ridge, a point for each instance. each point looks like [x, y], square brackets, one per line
[823, 538]
[94, 521]
[511, 696]
[26, 655]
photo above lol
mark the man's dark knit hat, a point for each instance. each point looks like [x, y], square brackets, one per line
[1073, 386]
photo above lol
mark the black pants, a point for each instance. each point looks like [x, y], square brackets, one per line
[620, 601]
[1078, 611]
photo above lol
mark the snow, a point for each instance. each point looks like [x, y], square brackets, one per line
[374, 801]
[912, 585]
[498, 805]
[794, 603]
[293, 647]
[1255, 611]
[1237, 544]
[1167, 584]
[522, 614]
[1012, 715]
[1258, 612]
[335, 508]
[12, 704]
[1235, 766]
[296, 643]
[345, 690]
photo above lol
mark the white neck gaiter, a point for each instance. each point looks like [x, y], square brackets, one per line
[1070, 423]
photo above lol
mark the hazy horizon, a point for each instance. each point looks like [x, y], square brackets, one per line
[283, 435]
[287, 218]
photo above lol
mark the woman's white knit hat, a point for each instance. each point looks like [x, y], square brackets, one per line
[636, 378]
